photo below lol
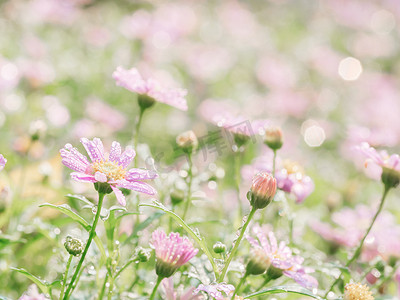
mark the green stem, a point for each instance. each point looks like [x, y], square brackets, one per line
[237, 180]
[110, 288]
[153, 293]
[237, 243]
[237, 290]
[65, 276]
[266, 280]
[136, 135]
[137, 278]
[103, 288]
[125, 266]
[274, 163]
[359, 248]
[189, 193]
[91, 235]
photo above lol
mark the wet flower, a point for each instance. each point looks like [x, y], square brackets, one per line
[3, 162]
[172, 252]
[171, 294]
[357, 291]
[216, 290]
[390, 164]
[33, 294]
[290, 176]
[151, 90]
[107, 169]
[262, 190]
[282, 260]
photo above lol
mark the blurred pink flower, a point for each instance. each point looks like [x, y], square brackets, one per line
[171, 294]
[3, 162]
[289, 175]
[133, 81]
[172, 252]
[381, 159]
[111, 169]
[351, 226]
[215, 290]
[33, 294]
[101, 112]
[281, 257]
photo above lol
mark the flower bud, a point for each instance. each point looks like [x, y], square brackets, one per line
[274, 273]
[219, 247]
[262, 190]
[73, 246]
[142, 254]
[390, 177]
[187, 141]
[273, 138]
[357, 291]
[259, 262]
[240, 139]
[145, 101]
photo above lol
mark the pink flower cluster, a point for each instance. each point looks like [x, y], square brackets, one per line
[282, 258]
[111, 168]
[133, 81]
[3, 162]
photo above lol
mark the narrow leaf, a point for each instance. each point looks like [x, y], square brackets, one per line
[42, 285]
[284, 289]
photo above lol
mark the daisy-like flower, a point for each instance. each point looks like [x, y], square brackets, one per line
[172, 252]
[390, 164]
[110, 169]
[3, 162]
[171, 294]
[151, 90]
[217, 290]
[282, 260]
[357, 291]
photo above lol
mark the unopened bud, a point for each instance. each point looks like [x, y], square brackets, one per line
[240, 139]
[73, 246]
[187, 141]
[273, 138]
[259, 262]
[262, 190]
[219, 247]
[142, 254]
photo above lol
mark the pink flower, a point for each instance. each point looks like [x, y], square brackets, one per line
[282, 260]
[172, 252]
[351, 226]
[111, 169]
[289, 176]
[33, 294]
[382, 158]
[215, 290]
[3, 162]
[171, 294]
[133, 81]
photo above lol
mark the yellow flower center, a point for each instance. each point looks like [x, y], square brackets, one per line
[357, 291]
[111, 169]
[292, 167]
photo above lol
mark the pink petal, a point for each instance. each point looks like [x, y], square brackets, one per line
[94, 148]
[115, 151]
[140, 174]
[73, 159]
[120, 196]
[82, 177]
[137, 186]
[127, 157]
[100, 177]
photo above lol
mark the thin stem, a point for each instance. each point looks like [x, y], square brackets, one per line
[237, 243]
[153, 293]
[274, 163]
[103, 288]
[66, 276]
[137, 278]
[137, 128]
[237, 180]
[91, 235]
[125, 266]
[189, 192]
[110, 288]
[237, 290]
[359, 248]
[266, 280]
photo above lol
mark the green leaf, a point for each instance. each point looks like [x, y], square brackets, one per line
[196, 236]
[42, 285]
[8, 240]
[80, 198]
[64, 208]
[284, 289]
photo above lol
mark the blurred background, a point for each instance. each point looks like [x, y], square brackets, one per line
[326, 72]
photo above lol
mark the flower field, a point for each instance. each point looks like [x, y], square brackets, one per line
[189, 150]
